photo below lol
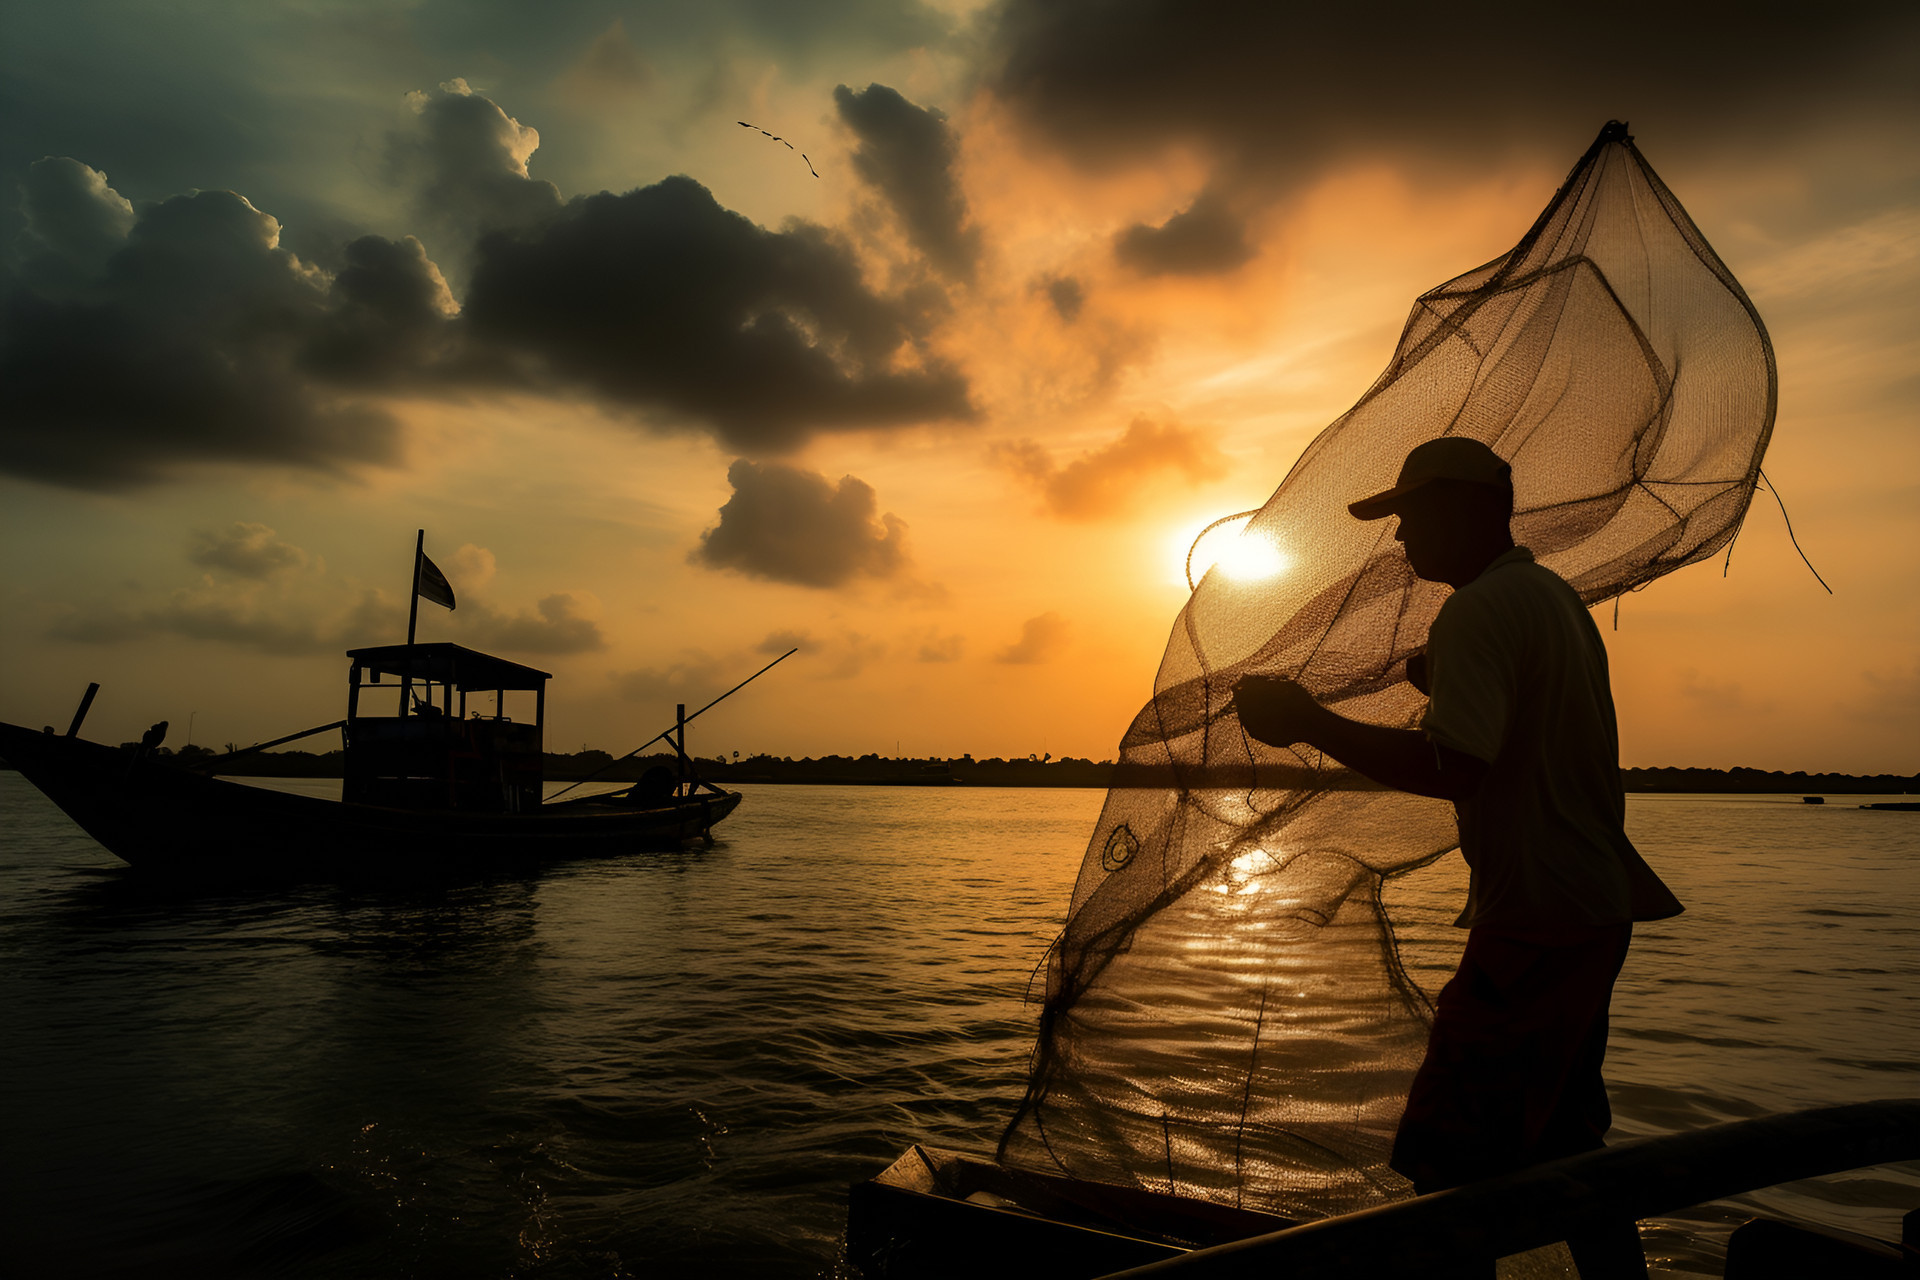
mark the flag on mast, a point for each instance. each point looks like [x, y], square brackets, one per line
[431, 584]
[428, 581]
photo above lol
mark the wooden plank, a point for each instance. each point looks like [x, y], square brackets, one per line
[1549, 1202]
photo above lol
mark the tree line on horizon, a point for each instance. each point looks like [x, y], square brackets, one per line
[1035, 770]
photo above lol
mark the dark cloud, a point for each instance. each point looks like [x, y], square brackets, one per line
[74, 223]
[1068, 296]
[135, 341]
[246, 550]
[192, 339]
[1041, 639]
[1203, 239]
[198, 614]
[1277, 91]
[907, 153]
[240, 607]
[1102, 483]
[466, 162]
[227, 622]
[387, 320]
[662, 298]
[557, 626]
[790, 525]
[165, 95]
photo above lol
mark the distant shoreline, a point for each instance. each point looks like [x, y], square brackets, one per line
[876, 770]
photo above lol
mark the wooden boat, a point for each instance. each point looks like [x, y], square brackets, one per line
[935, 1214]
[428, 788]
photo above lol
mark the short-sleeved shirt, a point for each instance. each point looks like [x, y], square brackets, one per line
[1518, 679]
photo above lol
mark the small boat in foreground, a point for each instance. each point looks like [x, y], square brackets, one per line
[933, 1214]
[428, 788]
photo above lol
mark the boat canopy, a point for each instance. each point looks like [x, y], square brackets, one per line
[448, 664]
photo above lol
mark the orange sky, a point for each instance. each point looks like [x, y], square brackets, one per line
[1146, 318]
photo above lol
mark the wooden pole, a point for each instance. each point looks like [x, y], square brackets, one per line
[217, 761]
[413, 617]
[86, 701]
[413, 609]
[1645, 1178]
[667, 734]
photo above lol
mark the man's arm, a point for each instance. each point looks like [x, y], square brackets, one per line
[1281, 713]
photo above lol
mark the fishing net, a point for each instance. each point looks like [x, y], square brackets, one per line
[1229, 1013]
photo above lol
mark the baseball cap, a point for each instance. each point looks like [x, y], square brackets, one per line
[1448, 458]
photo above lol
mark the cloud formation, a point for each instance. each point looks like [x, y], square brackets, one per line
[266, 594]
[1068, 297]
[662, 298]
[245, 549]
[557, 625]
[186, 333]
[1102, 484]
[1041, 640]
[907, 153]
[1277, 92]
[74, 223]
[786, 524]
[1203, 239]
[246, 617]
[133, 341]
[466, 162]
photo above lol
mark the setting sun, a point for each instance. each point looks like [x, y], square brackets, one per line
[1241, 554]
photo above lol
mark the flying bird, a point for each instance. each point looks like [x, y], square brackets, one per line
[782, 141]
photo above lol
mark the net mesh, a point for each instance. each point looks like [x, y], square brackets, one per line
[1228, 1012]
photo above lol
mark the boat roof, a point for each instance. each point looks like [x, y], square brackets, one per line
[463, 668]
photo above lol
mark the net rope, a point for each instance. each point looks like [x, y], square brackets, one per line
[1229, 1012]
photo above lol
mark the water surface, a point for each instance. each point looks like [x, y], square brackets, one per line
[674, 1064]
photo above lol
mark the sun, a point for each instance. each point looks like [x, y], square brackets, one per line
[1240, 553]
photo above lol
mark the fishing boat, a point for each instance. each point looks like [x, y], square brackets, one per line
[935, 1214]
[429, 785]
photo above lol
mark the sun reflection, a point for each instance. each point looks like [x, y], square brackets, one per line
[1243, 873]
[1240, 553]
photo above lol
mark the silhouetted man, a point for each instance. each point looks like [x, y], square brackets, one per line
[1519, 733]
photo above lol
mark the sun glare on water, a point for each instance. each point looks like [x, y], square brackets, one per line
[1242, 554]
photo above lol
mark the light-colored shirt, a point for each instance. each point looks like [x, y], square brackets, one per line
[1518, 679]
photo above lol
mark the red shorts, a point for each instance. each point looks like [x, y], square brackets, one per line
[1512, 1072]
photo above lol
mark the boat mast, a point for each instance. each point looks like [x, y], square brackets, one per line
[413, 618]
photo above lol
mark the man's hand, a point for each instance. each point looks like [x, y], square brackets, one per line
[1278, 712]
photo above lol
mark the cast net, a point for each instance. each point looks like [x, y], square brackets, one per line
[1229, 1013]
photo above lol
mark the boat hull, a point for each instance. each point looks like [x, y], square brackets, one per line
[945, 1215]
[157, 815]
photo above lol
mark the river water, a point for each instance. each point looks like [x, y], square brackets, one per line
[674, 1064]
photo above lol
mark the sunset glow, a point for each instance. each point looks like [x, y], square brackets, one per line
[1242, 555]
[941, 394]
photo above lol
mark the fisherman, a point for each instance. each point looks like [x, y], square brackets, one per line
[1519, 734]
